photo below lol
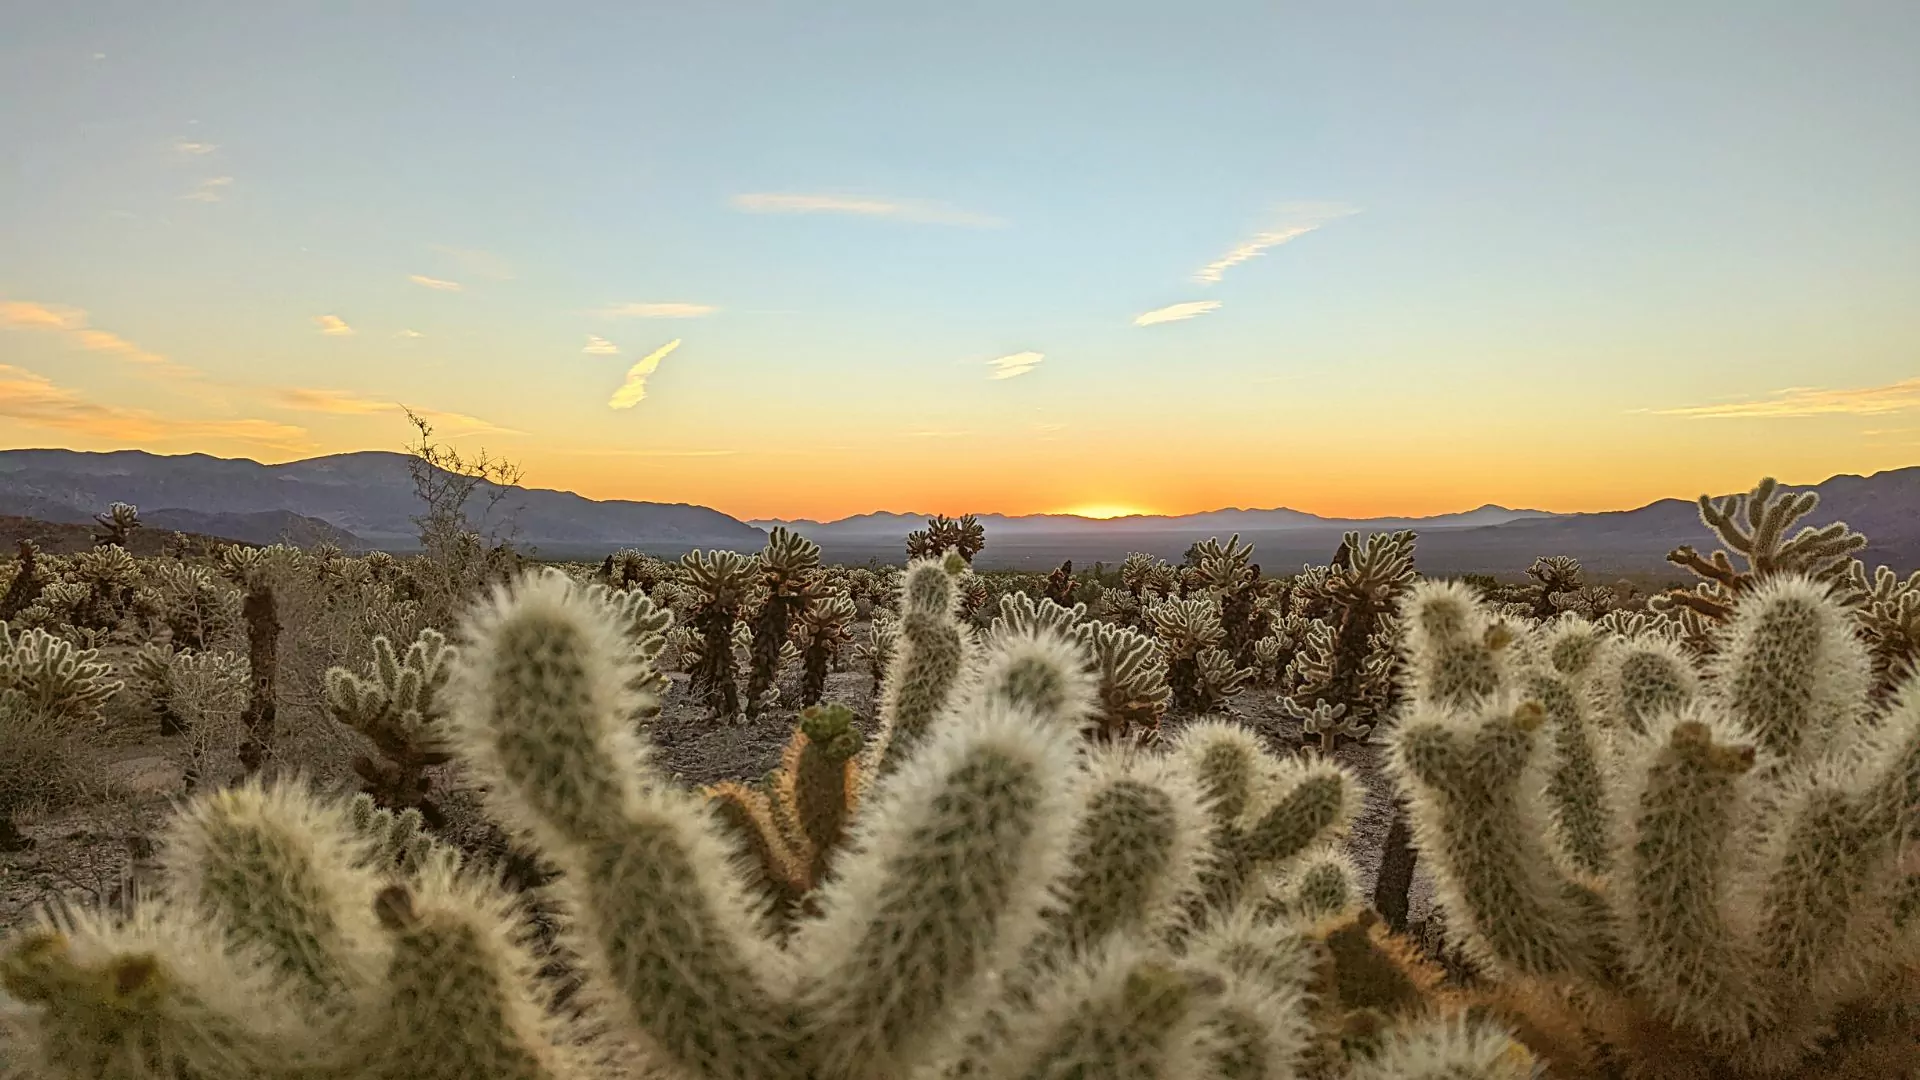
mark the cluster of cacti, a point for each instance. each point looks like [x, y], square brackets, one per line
[1006, 903]
[1227, 573]
[1130, 674]
[1325, 722]
[1887, 611]
[1351, 645]
[1555, 585]
[1671, 871]
[25, 585]
[254, 570]
[964, 536]
[1200, 673]
[788, 568]
[48, 674]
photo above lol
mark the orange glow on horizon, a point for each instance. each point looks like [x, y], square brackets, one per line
[1103, 511]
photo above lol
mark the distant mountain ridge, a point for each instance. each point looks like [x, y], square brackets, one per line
[362, 499]
[367, 500]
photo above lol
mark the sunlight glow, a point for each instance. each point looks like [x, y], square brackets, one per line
[1103, 511]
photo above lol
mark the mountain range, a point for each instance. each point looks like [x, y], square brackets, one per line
[366, 501]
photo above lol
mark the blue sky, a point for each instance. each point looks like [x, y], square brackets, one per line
[1522, 242]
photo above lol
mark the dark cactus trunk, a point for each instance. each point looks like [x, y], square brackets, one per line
[713, 675]
[263, 646]
[770, 626]
[1394, 885]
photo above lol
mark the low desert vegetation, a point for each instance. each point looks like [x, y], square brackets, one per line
[750, 815]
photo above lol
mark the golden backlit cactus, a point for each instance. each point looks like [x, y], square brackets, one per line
[1703, 876]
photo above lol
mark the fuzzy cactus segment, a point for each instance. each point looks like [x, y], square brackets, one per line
[1471, 809]
[540, 698]
[931, 652]
[945, 881]
[1792, 668]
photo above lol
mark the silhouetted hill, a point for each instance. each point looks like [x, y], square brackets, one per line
[66, 538]
[368, 497]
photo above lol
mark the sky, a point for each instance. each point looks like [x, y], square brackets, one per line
[792, 260]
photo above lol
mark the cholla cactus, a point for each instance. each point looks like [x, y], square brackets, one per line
[1059, 585]
[964, 536]
[1005, 906]
[49, 675]
[1131, 675]
[397, 707]
[722, 579]
[1755, 527]
[1216, 679]
[198, 611]
[1704, 889]
[1327, 723]
[28, 580]
[400, 839]
[1349, 659]
[882, 635]
[788, 568]
[1887, 610]
[255, 569]
[116, 525]
[931, 655]
[1186, 628]
[823, 634]
[1228, 574]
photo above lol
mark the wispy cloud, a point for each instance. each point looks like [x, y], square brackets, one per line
[634, 390]
[193, 149]
[916, 210]
[1812, 401]
[333, 325]
[1293, 221]
[1176, 312]
[347, 403]
[670, 309]
[1007, 367]
[72, 324]
[599, 346]
[475, 263]
[30, 398]
[210, 190]
[435, 283]
[410, 334]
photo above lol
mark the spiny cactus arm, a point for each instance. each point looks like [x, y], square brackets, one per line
[1465, 776]
[1640, 679]
[1137, 852]
[818, 783]
[1322, 884]
[1131, 1014]
[458, 993]
[1313, 802]
[1457, 653]
[400, 839]
[1827, 927]
[947, 872]
[1447, 1048]
[286, 877]
[1228, 762]
[110, 1000]
[930, 657]
[1576, 791]
[1133, 679]
[541, 699]
[770, 864]
[1792, 670]
[1692, 794]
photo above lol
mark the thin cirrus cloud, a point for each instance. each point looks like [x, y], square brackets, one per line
[1192, 309]
[1293, 221]
[346, 403]
[599, 346]
[1812, 401]
[211, 190]
[435, 283]
[193, 149]
[410, 334]
[667, 309]
[1014, 365]
[33, 399]
[920, 211]
[71, 323]
[332, 325]
[634, 390]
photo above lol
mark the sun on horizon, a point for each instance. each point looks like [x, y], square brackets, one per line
[1103, 511]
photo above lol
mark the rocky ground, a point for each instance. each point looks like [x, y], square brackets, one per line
[91, 853]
